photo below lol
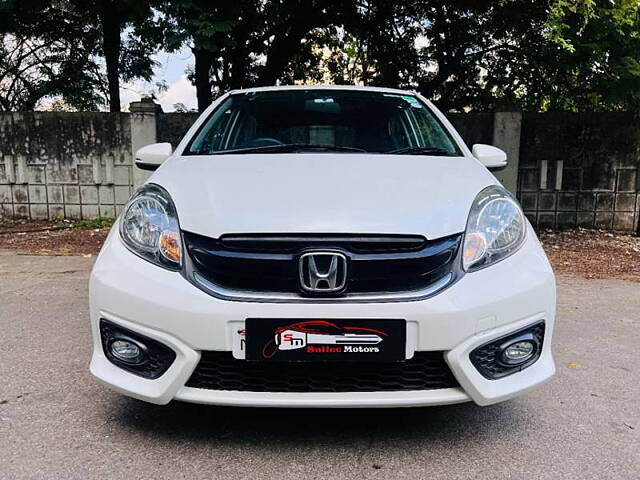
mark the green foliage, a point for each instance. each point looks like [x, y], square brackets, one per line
[46, 50]
[581, 56]
[598, 65]
[60, 223]
[572, 55]
[57, 49]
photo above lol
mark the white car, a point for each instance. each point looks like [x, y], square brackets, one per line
[322, 247]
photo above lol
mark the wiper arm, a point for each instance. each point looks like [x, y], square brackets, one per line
[331, 148]
[289, 147]
[421, 151]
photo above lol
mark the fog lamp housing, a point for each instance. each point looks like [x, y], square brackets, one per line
[509, 354]
[136, 353]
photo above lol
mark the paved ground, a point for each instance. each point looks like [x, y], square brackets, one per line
[56, 422]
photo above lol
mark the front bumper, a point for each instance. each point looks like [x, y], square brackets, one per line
[481, 306]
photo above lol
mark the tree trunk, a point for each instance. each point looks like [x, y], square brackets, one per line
[288, 35]
[202, 78]
[111, 45]
[284, 46]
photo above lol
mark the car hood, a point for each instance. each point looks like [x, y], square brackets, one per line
[323, 193]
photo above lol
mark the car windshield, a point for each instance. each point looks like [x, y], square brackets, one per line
[322, 120]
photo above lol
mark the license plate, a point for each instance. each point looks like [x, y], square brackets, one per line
[286, 340]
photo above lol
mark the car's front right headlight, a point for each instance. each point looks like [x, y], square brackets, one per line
[495, 229]
[149, 227]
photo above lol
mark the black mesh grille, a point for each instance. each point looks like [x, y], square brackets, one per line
[220, 371]
[272, 264]
[487, 357]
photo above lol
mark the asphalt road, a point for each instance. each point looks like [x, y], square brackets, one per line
[57, 422]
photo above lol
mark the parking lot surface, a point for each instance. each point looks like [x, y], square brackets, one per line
[57, 422]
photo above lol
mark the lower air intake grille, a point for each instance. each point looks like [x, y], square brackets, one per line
[220, 371]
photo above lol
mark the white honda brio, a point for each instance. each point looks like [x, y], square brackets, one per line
[322, 247]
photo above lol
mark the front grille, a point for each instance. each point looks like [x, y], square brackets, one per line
[220, 371]
[376, 264]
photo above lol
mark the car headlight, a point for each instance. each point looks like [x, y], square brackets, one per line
[495, 229]
[149, 227]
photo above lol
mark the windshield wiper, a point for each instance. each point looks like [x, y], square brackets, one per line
[289, 147]
[421, 151]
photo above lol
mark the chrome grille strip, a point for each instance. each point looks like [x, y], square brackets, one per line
[283, 297]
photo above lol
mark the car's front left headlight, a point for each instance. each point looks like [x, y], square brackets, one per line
[149, 227]
[495, 229]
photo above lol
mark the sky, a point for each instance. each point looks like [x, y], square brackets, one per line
[171, 69]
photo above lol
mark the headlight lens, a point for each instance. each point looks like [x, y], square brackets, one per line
[149, 227]
[495, 229]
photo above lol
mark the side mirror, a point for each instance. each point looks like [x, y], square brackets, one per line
[152, 156]
[491, 157]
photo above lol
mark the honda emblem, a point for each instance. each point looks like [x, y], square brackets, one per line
[323, 272]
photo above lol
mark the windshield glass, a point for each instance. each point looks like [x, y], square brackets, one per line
[322, 120]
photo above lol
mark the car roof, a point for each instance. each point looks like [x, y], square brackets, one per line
[323, 87]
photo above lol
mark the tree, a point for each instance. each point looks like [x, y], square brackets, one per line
[125, 58]
[464, 54]
[46, 51]
[205, 27]
[286, 26]
[445, 49]
[246, 42]
[57, 48]
[596, 48]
